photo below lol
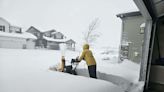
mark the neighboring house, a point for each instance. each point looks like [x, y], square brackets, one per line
[12, 37]
[51, 39]
[132, 36]
[70, 44]
[40, 42]
[17, 41]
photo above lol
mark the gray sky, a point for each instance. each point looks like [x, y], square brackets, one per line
[70, 17]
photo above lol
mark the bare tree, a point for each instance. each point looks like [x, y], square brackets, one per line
[91, 35]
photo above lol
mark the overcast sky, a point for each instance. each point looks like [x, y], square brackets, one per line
[71, 17]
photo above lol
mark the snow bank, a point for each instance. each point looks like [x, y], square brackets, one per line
[27, 71]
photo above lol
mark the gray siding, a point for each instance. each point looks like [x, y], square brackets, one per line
[132, 30]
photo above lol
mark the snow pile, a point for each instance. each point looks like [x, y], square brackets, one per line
[27, 71]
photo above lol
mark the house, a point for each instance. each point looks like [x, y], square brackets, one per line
[132, 36]
[40, 42]
[50, 39]
[13, 37]
[152, 65]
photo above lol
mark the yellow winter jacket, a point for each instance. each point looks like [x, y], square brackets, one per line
[87, 56]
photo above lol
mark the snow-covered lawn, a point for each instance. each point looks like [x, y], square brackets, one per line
[27, 71]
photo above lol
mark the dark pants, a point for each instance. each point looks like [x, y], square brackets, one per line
[92, 71]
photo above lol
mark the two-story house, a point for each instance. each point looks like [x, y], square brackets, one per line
[132, 36]
[13, 37]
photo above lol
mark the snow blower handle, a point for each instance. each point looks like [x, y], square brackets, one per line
[74, 61]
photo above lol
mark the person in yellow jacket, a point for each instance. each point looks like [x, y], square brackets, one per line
[90, 60]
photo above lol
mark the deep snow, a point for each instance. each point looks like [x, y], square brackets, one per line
[27, 71]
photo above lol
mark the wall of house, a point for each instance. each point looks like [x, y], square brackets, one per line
[6, 24]
[10, 42]
[131, 29]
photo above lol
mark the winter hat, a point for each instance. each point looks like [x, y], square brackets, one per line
[86, 46]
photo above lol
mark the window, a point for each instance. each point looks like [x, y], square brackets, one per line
[2, 28]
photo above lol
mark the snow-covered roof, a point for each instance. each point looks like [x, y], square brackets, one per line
[18, 35]
[54, 40]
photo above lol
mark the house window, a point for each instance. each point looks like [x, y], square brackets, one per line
[2, 28]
